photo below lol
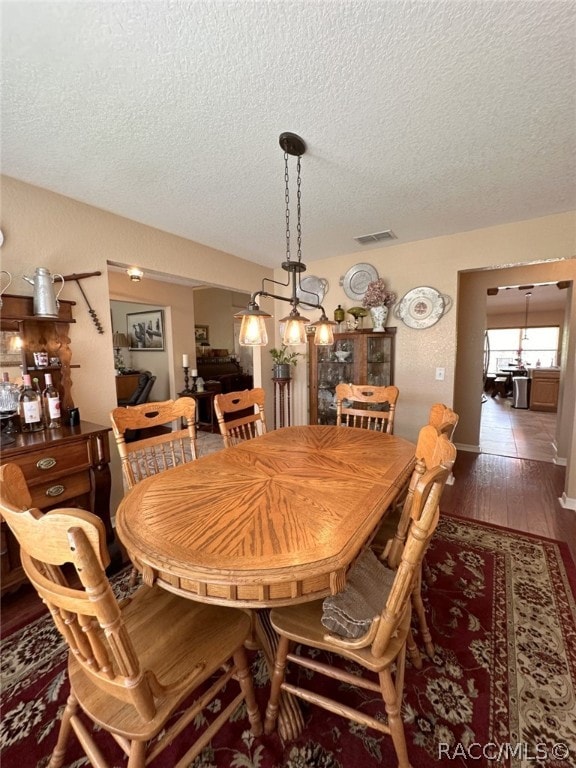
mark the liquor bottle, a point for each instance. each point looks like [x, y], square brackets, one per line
[51, 404]
[30, 407]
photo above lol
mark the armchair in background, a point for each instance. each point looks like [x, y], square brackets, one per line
[142, 391]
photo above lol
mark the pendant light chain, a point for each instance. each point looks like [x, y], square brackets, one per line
[287, 200]
[253, 329]
[298, 209]
[299, 225]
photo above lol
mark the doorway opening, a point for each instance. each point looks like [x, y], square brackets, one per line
[523, 337]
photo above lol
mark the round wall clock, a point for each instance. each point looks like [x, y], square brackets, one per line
[422, 307]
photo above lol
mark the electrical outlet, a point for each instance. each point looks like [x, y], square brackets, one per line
[440, 374]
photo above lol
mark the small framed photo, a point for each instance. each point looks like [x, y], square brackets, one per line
[146, 331]
[201, 334]
[10, 349]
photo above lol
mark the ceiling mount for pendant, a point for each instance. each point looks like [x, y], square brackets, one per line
[292, 144]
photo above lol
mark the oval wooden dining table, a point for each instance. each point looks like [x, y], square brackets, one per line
[273, 521]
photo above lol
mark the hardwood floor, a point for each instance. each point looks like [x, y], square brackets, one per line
[516, 493]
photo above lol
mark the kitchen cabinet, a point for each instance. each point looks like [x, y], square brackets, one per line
[544, 389]
[358, 357]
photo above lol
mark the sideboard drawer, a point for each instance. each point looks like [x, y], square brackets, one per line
[51, 462]
[66, 467]
[53, 492]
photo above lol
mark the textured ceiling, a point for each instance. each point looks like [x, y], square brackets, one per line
[427, 118]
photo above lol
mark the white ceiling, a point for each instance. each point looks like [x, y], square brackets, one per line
[427, 118]
[512, 299]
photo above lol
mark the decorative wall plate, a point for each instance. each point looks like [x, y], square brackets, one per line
[356, 280]
[312, 289]
[422, 307]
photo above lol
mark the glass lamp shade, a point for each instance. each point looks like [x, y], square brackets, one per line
[324, 335]
[294, 330]
[253, 331]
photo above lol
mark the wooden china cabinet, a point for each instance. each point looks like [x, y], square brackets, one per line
[358, 357]
[66, 467]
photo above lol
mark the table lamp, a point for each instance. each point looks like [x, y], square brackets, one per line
[119, 341]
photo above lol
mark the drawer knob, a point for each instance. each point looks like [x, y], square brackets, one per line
[55, 490]
[46, 463]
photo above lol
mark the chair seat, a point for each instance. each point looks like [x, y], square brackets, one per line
[303, 624]
[155, 619]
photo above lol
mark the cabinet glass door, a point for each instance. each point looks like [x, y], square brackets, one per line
[335, 365]
[378, 361]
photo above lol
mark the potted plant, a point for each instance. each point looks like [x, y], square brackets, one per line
[283, 360]
[378, 299]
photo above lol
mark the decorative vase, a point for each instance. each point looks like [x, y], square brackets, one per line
[379, 317]
[281, 371]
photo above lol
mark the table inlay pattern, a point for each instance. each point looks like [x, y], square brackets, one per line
[270, 521]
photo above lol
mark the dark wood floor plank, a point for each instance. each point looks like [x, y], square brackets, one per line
[516, 493]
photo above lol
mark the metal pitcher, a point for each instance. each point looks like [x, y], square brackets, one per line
[5, 288]
[46, 303]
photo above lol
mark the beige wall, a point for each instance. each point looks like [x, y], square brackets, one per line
[44, 229]
[439, 263]
[216, 308]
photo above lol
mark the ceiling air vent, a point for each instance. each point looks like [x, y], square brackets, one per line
[377, 237]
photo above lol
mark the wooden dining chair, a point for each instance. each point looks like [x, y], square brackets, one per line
[433, 450]
[365, 406]
[149, 455]
[134, 664]
[153, 453]
[372, 625]
[240, 415]
[443, 418]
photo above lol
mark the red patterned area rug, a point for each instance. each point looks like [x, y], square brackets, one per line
[500, 690]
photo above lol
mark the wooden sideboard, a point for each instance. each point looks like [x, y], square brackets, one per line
[48, 334]
[67, 467]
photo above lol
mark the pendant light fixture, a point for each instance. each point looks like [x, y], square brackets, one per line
[525, 337]
[253, 328]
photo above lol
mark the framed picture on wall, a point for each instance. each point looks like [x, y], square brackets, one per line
[10, 349]
[201, 333]
[146, 331]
